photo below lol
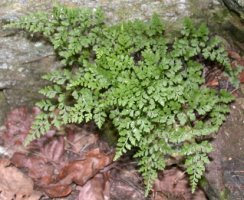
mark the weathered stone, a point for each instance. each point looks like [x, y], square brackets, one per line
[225, 174]
[3, 107]
[22, 63]
[236, 6]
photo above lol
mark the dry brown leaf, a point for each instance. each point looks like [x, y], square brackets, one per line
[36, 145]
[97, 188]
[79, 139]
[234, 55]
[17, 123]
[126, 182]
[19, 160]
[212, 83]
[51, 161]
[56, 191]
[174, 184]
[38, 169]
[14, 184]
[79, 171]
[241, 77]
[54, 150]
[160, 196]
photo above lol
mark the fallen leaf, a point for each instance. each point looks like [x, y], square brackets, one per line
[14, 184]
[161, 196]
[241, 78]
[18, 123]
[213, 83]
[80, 138]
[56, 191]
[38, 169]
[234, 55]
[96, 188]
[126, 182]
[55, 162]
[36, 145]
[79, 171]
[53, 151]
[173, 183]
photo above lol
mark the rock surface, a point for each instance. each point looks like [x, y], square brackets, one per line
[22, 63]
[236, 6]
[225, 174]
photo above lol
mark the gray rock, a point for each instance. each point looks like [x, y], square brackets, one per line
[23, 62]
[3, 107]
[225, 177]
[236, 6]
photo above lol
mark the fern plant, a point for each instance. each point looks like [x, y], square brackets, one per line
[152, 90]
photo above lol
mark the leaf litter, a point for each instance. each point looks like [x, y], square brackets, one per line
[73, 164]
[14, 184]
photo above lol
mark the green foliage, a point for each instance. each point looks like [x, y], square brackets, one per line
[152, 91]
